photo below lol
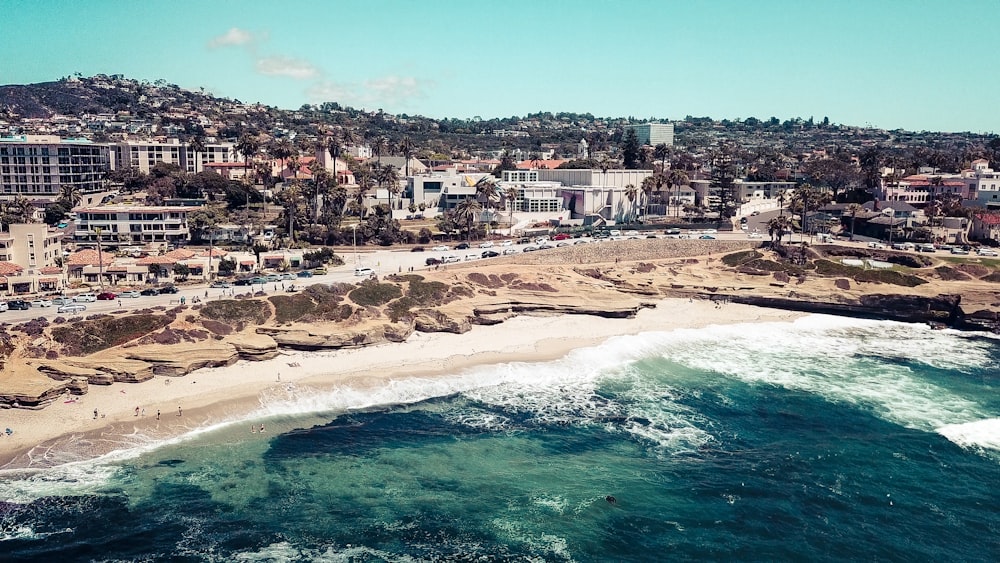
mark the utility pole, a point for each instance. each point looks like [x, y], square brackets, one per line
[100, 259]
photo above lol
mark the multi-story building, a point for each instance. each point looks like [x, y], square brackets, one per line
[532, 195]
[29, 259]
[40, 166]
[653, 134]
[595, 178]
[124, 225]
[442, 191]
[145, 154]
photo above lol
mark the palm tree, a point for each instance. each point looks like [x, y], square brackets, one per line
[388, 177]
[486, 190]
[782, 198]
[70, 195]
[293, 163]
[853, 209]
[406, 148]
[647, 186]
[468, 210]
[365, 182]
[511, 196]
[662, 151]
[248, 145]
[380, 144]
[675, 179]
[777, 226]
[631, 192]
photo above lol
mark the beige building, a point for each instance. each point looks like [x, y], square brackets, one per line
[30, 255]
[126, 225]
[40, 166]
[145, 154]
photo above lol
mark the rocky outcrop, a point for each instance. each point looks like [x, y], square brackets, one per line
[431, 320]
[510, 308]
[943, 309]
[38, 397]
[254, 347]
[300, 338]
[173, 361]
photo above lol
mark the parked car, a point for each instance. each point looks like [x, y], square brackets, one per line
[507, 251]
[561, 236]
[220, 284]
[755, 235]
[41, 303]
[561, 244]
[507, 243]
[707, 237]
[287, 276]
[57, 301]
[272, 278]
[18, 305]
[450, 259]
[987, 252]
[487, 244]
[243, 281]
[106, 296]
[524, 240]
[72, 308]
[304, 274]
[545, 246]
[876, 245]
[959, 250]
[319, 271]
[471, 257]
[441, 248]
[462, 246]
[168, 289]
[132, 294]
[149, 291]
[926, 248]
[362, 271]
[432, 261]
[530, 249]
[417, 249]
[85, 298]
[3, 306]
[259, 280]
[581, 241]
[490, 254]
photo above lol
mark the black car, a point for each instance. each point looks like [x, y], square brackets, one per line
[243, 281]
[149, 291]
[432, 261]
[18, 304]
[168, 289]
[490, 254]
[462, 246]
[417, 249]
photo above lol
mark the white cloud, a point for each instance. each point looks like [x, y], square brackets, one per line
[235, 36]
[386, 91]
[286, 66]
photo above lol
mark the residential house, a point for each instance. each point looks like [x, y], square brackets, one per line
[985, 226]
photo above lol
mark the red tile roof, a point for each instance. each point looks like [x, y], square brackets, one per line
[551, 164]
[989, 218]
[50, 270]
[155, 260]
[48, 280]
[89, 257]
[8, 268]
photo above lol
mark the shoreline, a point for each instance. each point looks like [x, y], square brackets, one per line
[67, 432]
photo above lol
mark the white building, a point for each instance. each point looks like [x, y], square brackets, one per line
[124, 225]
[442, 190]
[987, 184]
[39, 166]
[532, 195]
[653, 134]
[591, 177]
[145, 154]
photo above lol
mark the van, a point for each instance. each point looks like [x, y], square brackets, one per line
[72, 308]
[85, 298]
[359, 271]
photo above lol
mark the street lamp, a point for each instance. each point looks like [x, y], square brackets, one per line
[354, 229]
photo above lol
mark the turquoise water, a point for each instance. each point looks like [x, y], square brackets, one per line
[822, 439]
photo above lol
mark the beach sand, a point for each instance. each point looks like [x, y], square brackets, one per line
[240, 394]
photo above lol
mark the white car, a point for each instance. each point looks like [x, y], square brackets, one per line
[487, 244]
[72, 308]
[3, 306]
[876, 245]
[441, 248]
[450, 258]
[508, 251]
[507, 243]
[85, 298]
[755, 235]
[133, 294]
[987, 252]
[472, 257]
[363, 271]
[41, 303]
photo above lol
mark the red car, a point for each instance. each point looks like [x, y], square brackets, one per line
[106, 296]
[561, 236]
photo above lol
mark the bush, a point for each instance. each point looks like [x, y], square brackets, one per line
[236, 312]
[739, 258]
[86, 337]
[288, 308]
[374, 294]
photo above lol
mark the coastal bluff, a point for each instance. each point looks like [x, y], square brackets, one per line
[46, 361]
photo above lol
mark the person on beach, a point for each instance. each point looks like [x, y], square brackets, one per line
[95, 414]
[179, 411]
[253, 428]
[157, 414]
[262, 428]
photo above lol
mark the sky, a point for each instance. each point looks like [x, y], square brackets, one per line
[910, 64]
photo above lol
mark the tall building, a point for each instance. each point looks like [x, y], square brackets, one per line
[39, 166]
[145, 154]
[653, 134]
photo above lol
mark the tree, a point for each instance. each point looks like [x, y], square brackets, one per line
[259, 249]
[853, 209]
[467, 211]
[406, 148]
[387, 176]
[182, 270]
[675, 179]
[70, 196]
[248, 145]
[662, 152]
[630, 149]
[777, 227]
[380, 144]
[511, 196]
[486, 191]
[631, 192]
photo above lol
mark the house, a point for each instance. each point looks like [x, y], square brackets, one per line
[985, 226]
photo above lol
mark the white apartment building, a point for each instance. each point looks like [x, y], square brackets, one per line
[126, 225]
[533, 196]
[442, 190]
[145, 154]
[28, 255]
[653, 134]
[39, 166]
[987, 184]
[594, 178]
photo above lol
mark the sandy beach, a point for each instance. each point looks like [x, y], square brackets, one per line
[244, 393]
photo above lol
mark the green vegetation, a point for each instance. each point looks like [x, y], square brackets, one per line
[374, 294]
[739, 258]
[289, 308]
[828, 268]
[86, 337]
[234, 312]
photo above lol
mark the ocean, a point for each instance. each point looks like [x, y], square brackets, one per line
[822, 439]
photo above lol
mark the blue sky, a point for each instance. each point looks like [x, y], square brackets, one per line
[912, 64]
